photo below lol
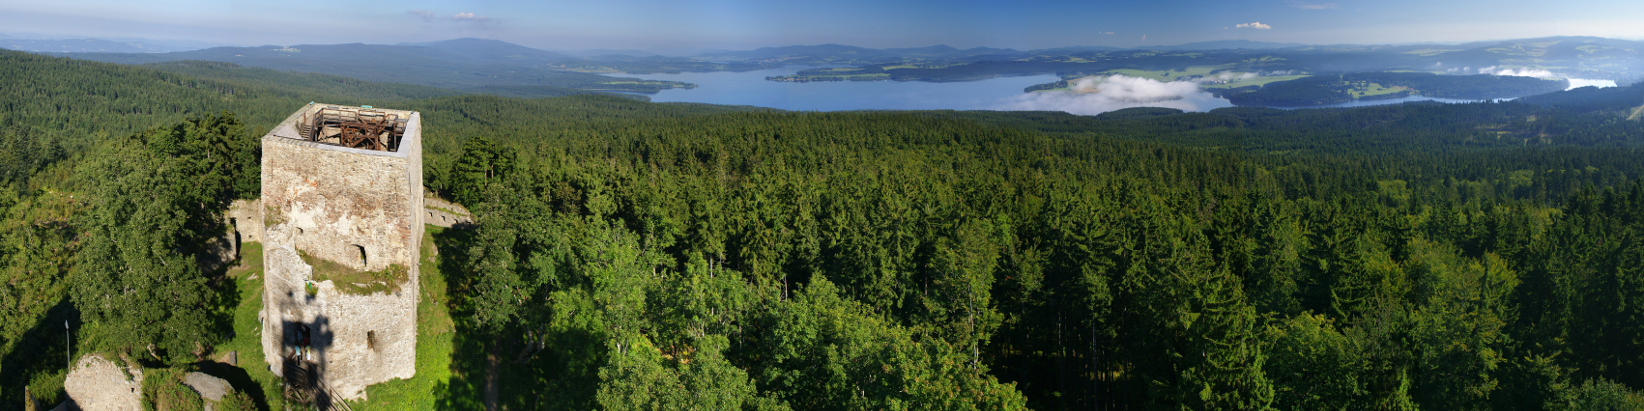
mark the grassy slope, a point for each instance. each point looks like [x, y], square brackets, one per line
[1374, 89]
[247, 338]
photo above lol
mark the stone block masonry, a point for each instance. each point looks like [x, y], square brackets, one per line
[358, 208]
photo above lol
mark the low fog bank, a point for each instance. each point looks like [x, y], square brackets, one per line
[1101, 94]
[1576, 83]
[1501, 71]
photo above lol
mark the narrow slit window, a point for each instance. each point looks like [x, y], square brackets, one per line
[363, 261]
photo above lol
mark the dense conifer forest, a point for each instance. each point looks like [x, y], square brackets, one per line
[633, 255]
[1334, 88]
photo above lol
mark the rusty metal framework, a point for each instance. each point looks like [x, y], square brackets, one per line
[354, 128]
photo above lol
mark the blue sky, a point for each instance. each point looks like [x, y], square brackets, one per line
[737, 24]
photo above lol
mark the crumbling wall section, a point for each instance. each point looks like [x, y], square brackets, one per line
[447, 214]
[332, 203]
[244, 224]
[245, 220]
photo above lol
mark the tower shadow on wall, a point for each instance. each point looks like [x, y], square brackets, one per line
[305, 374]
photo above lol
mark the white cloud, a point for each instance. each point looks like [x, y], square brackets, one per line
[476, 20]
[1254, 25]
[427, 16]
[1526, 72]
[1100, 94]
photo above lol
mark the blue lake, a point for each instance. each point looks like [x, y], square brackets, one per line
[751, 88]
[1000, 93]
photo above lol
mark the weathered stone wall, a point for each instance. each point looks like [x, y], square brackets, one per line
[446, 214]
[341, 200]
[332, 202]
[245, 218]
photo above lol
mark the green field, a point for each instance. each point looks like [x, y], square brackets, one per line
[1167, 75]
[1258, 81]
[1051, 89]
[1374, 89]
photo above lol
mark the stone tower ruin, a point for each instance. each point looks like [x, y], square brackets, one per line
[342, 232]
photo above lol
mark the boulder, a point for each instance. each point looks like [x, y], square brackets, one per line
[211, 388]
[97, 384]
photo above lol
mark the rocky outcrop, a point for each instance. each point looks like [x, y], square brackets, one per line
[97, 384]
[212, 389]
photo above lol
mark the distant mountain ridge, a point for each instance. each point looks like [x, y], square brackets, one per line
[487, 66]
[485, 49]
[609, 52]
[71, 46]
[42, 44]
[839, 53]
[1222, 45]
[474, 65]
[845, 54]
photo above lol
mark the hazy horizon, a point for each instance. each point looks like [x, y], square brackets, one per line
[689, 28]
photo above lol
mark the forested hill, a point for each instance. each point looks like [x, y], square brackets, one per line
[180, 140]
[1327, 89]
[60, 105]
[638, 255]
[469, 64]
[1583, 117]
[885, 259]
